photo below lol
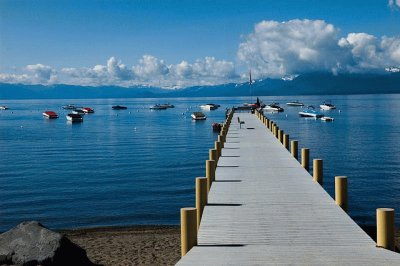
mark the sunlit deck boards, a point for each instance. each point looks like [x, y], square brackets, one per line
[264, 208]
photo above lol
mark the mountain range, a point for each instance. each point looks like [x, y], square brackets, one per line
[305, 84]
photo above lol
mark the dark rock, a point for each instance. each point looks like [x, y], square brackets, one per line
[30, 243]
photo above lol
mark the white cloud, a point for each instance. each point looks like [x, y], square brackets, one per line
[394, 3]
[36, 74]
[276, 49]
[150, 67]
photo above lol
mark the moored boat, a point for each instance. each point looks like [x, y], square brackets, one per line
[158, 107]
[310, 112]
[167, 105]
[327, 119]
[295, 103]
[78, 111]
[50, 114]
[119, 107]
[210, 106]
[3, 107]
[70, 107]
[198, 116]
[273, 107]
[216, 127]
[74, 117]
[87, 110]
[327, 106]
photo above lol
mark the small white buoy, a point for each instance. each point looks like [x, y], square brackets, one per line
[340, 111]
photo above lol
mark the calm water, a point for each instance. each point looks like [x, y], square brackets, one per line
[138, 166]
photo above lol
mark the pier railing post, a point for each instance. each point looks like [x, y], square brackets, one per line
[201, 197]
[294, 144]
[210, 173]
[221, 140]
[385, 228]
[218, 148]
[280, 135]
[188, 229]
[213, 154]
[276, 132]
[318, 172]
[305, 158]
[286, 141]
[341, 192]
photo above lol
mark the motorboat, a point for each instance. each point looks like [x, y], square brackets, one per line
[158, 107]
[119, 107]
[255, 105]
[87, 110]
[3, 107]
[327, 106]
[50, 114]
[273, 107]
[74, 117]
[167, 105]
[209, 106]
[310, 112]
[295, 103]
[78, 112]
[198, 116]
[70, 107]
[327, 119]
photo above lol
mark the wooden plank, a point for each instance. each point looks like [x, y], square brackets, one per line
[264, 208]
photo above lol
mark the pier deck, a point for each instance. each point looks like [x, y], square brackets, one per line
[264, 208]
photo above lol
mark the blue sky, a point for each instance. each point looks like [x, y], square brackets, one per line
[73, 35]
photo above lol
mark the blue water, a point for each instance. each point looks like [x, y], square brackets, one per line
[138, 166]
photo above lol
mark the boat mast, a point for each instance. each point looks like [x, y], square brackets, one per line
[250, 82]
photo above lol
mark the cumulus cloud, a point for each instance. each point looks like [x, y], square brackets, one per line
[394, 4]
[36, 74]
[298, 46]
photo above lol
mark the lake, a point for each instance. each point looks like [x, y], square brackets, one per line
[138, 166]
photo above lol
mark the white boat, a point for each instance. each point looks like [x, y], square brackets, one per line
[273, 107]
[327, 106]
[3, 107]
[310, 112]
[50, 114]
[158, 107]
[198, 116]
[74, 118]
[295, 103]
[209, 106]
[70, 107]
[78, 112]
[327, 119]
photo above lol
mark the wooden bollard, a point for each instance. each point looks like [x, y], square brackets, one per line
[318, 171]
[221, 140]
[213, 154]
[280, 135]
[210, 173]
[188, 229]
[341, 192]
[286, 141]
[385, 228]
[305, 158]
[294, 148]
[276, 132]
[217, 146]
[201, 197]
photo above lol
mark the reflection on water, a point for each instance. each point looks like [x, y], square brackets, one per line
[138, 166]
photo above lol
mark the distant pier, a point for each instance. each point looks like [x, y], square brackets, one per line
[259, 205]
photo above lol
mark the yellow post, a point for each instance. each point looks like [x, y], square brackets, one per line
[201, 197]
[318, 173]
[294, 148]
[217, 147]
[213, 154]
[286, 141]
[280, 135]
[277, 132]
[221, 140]
[188, 229]
[210, 173]
[385, 228]
[305, 158]
[341, 192]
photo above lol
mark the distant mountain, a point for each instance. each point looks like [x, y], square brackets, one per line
[306, 84]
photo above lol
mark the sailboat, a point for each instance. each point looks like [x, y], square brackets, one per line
[252, 105]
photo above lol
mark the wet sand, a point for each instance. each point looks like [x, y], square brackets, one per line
[137, 245]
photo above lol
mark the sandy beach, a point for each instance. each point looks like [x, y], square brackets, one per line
[136, 245]
[141, 245]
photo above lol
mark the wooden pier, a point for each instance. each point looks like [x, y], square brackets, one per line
[264, 208]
